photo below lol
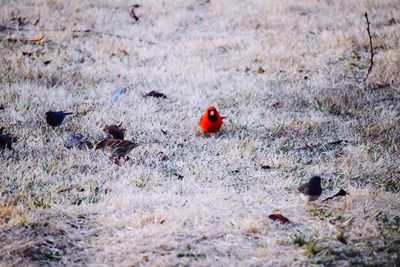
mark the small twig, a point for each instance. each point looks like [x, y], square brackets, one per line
[36, 22]
[372, 54]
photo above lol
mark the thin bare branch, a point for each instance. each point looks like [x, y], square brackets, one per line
[372, 53]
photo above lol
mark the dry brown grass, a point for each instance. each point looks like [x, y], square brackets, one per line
[287, 74]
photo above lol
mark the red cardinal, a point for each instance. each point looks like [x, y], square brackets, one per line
[211, 121]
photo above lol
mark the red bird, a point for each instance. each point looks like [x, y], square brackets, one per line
[211, 121]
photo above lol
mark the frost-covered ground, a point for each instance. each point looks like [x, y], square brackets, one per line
[288, 74]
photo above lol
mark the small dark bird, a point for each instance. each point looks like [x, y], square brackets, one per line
[114, 132]
[118, 149]
[54, 118]
[312, 190]
[6, 141]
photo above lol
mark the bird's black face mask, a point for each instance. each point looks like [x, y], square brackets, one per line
[212, 115]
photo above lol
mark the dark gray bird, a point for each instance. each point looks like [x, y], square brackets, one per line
[312, 190]
[54, 118]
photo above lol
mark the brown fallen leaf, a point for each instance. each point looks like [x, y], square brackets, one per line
[123, 52]
[145, 257]
[261, 70]
[120, 53]
[154, 94]
[38, 39]
[162, 156]
[5, 212]
[341, 193]
[391, 22]
[279, 218]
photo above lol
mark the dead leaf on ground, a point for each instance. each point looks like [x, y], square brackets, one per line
[5, 212]
[28, 54]
[154, 94]
[277, 104]
[179, 176]
[162, 156]
[279, 218]
[19, 21]
[145, 258]
[265, 167]
[123, 52]
[341, 193]
[38, 39]
[268, 167]
[132, 12]
[120, 53]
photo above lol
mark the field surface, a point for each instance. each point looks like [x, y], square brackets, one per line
[287, 74]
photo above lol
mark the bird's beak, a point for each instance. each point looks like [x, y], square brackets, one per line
[223, 117]
[212, 113]
[101, 144]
